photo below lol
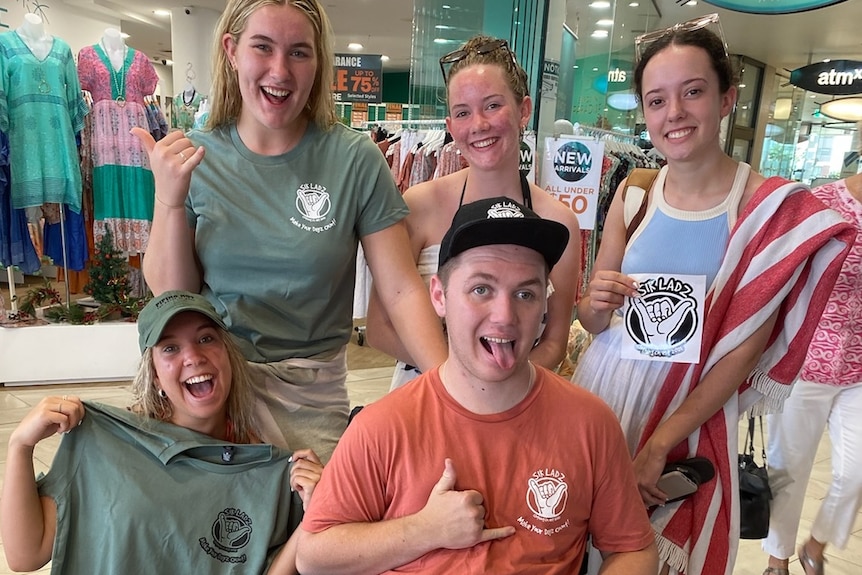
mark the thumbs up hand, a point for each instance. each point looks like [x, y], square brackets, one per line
[457, 518]
[172, 159]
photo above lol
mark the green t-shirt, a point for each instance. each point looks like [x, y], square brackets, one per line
[138, 496]
[277, 236]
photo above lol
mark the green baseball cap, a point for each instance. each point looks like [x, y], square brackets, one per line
[159, 311]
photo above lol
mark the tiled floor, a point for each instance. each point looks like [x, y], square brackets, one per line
[366, 385]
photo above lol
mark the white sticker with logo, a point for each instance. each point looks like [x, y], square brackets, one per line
[666, 322]
[547, 494]
[313, 203]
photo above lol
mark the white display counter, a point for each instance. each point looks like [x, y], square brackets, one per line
[62, 353]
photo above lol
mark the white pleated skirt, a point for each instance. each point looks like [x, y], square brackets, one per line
[628, 386]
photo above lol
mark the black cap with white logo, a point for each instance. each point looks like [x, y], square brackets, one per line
[497, 221]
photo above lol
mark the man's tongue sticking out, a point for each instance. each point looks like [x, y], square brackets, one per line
[503, 351]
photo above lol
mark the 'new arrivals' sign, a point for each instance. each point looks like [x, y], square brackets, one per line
[836, 78]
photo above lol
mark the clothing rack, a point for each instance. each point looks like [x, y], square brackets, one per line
[400, 123]
[615, 143]
[605, 134]
[418, 126]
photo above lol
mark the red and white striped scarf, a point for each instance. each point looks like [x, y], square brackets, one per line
[784, 253]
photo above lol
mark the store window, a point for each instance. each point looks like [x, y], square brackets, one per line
[803, 144]
[604, 65]
[441, 26]
[740, 142]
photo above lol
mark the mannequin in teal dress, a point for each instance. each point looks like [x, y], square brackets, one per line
[41, 111]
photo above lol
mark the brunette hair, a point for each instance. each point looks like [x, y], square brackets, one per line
[702, 38]
[516, 77]
[226, 97]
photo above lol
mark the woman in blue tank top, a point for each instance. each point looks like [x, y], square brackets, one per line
[706, 215]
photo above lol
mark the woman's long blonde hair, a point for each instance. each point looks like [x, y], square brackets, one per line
[226, 99]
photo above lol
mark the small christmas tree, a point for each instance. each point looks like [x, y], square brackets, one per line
[109, 273]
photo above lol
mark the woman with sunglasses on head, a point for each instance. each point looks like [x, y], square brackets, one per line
[262, 212]
[769, 253]
[489, 108]
[179, 482]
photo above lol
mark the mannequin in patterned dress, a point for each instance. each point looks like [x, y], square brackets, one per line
[119, 78]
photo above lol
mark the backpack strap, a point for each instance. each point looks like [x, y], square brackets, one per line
[636, 197]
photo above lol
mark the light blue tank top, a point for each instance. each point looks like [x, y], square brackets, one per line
[674, 241]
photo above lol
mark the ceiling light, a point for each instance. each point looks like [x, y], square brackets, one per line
[444, 27]
[600, 4]
[633, 4]
[691, 3]
[742, 85]
[169, 62]
[782, 109]
[623, 101]
[162, 12]
[600, 34]
[772, 130]
[355, 46]
[845, 109]
[605, 22]
[384, 58]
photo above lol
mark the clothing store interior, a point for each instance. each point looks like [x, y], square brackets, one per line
[75, 222]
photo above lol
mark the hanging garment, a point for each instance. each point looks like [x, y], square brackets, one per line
[16, 249]
[185, 109]
[158, 126]
[123, 187]
[76, 241]
[41, 110]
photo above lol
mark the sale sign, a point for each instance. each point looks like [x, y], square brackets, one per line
[358, 78]
[571, 172]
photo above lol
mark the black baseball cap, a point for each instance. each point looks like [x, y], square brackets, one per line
[500, 220]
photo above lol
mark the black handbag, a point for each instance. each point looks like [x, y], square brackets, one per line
[754, 492]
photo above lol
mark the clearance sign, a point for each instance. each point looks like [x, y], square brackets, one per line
[358, 78]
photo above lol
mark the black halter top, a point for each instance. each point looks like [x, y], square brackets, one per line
[525, 191]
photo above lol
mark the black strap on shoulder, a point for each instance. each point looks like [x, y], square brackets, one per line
[525, 191]
[464, 189]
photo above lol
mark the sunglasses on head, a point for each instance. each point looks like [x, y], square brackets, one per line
[486, 48]
[644, 40]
